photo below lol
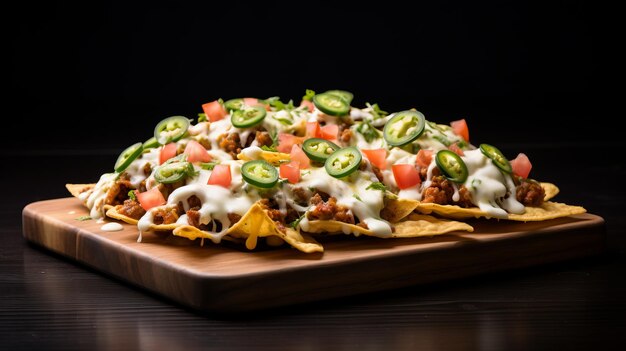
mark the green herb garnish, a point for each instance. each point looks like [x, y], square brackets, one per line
[309, 94]
[377, 186]
[271, 148]
[209, 165]
[295, 223]
[376, 111]
[368, 131]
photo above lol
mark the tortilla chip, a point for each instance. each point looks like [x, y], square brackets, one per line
[550, 189]
[162, 227]
[275, 158]
[549, 210]
[336, 227]
[113, 213]
[77, 189]
[396, 209]
[415, 226]
[256, 223]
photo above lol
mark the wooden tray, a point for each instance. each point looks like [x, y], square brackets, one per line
[220, 278]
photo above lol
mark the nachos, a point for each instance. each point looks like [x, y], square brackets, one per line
[251, 170]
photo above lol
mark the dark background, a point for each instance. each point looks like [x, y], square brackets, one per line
[85, 81]
[89, 77]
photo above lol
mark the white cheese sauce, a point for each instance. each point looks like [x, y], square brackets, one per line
[94, 198]
[217, 202]
[112, 227]
[434, 136]
[252, 153]
[135, 170]
[352, 192]
[492, 191]
[359, 140]
[202, 128]
[216, 129]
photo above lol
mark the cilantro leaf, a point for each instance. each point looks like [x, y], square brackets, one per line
[442, 140]
[209, 165]
[368, 131]
[309, 94]
[295, 223]
[377, 186]
[131, 195]
[376, 111]
[283, 120]
[279, 105]
[274, 135]
[202, 117]
[269, 148]
[356, 196]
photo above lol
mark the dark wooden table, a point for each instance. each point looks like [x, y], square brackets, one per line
[48, 302]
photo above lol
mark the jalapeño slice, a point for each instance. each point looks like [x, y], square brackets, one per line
[127, 156]
[259, 173]
[233, 104]
[346, 95]
[452, 166]
[343, 162]
[248, 117]
[496, 157]
[318, 149]
[171, 129]
[331, 104]
[150, 143]
[404, 127]
[173, 170]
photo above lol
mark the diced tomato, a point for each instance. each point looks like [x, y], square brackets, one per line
[406, 175]
[308, 105]
[151, 198]
[255, 102]
[313, 129]
[330, 131]
[460, 128]
[196, 152]
[299, 156]
[456, 149]
[424, 158]
[286, 141]
[521, 165]
[291, 171]
[377, 157]
[168, 151]
[220, 176]
[214, 110]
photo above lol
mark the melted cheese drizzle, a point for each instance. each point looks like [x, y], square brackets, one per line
[112, 227]
[217, 202]
[94, 198]
[135, 169]
[492, 190]
[366, 204]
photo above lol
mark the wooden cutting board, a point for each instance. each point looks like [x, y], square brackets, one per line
[224, 279]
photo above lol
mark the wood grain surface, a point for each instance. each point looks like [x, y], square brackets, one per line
[221, 278]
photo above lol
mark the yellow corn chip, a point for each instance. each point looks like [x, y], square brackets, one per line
[77, 189]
